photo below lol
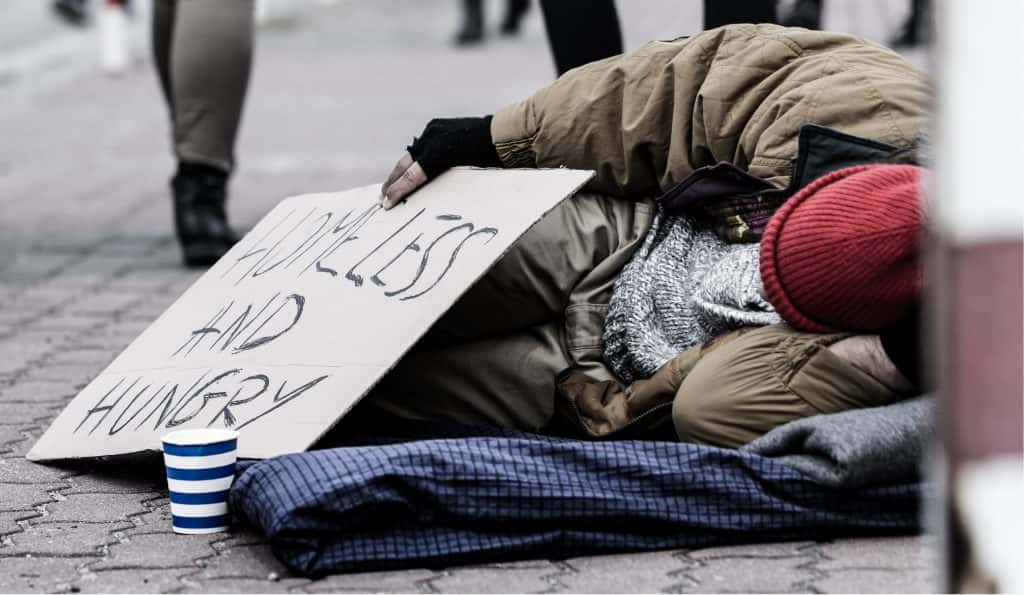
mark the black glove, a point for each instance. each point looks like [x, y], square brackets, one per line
[445, 143]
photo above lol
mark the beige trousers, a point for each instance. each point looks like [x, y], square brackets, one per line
[493, 357]
[766, 377]
[203, 53]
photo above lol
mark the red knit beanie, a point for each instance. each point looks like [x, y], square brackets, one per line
[843, 252]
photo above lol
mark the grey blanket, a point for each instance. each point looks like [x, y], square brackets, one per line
[855, 448]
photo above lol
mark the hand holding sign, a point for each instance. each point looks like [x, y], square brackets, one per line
[299, 320]
[444, 144]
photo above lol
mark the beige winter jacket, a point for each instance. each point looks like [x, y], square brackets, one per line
[647, 119]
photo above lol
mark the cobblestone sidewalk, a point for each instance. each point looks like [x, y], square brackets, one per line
[87, 261]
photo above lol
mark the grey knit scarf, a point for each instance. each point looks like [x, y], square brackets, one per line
[684, 286]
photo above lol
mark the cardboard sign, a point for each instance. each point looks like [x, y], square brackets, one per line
[302, 317]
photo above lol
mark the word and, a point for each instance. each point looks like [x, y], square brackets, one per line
[234, 330]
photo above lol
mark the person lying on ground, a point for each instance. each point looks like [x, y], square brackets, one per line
[618, 315]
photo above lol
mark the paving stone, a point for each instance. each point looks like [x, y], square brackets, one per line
[62, 539]
[158, 550]
[895, 553]
[87, 358]
[245, 585]
[142, 276]
[869, 580]
[144, 580]
[20, 414]
[18, 353]
[20, 438]
[97, 264]
[9, 523]
[9, 317]
[17, 449]
[242, 561]
[35, 266]
[111, 344]
[36, 299]
[130, 247]
[88, 342]
[103, 304]
[787, 573]
[76, 284]
[618, 573]
[241, 536]
[41, 341]
[753, 550]
[11, 434]
[25, 471]
[95, 508]
[397, 581]
[59, 321]
[521, 578]
[70, 373]
[157, 519]
[106, 481]
[36, 392]
[20, 574]
[18, 496]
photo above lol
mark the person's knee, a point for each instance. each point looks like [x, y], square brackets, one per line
[734, 393]
[702, 408]
[763, 379]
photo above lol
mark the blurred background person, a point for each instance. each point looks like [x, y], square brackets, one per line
[805, 13]
[73, 12]
[584, 31]
[727, 12]
[203, 54]
[581, 31]
[913, 31]
[78, 12]
[473, 30]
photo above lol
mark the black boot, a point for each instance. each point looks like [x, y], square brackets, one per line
[909, 36]
[472, 31]
[915, 28]
[514, 12]
[74, 12]
[199, 217]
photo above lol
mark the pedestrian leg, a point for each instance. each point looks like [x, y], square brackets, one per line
[203, 54]
[727, 12]
[581, 31]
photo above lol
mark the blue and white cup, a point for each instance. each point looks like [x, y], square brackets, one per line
[200, 468]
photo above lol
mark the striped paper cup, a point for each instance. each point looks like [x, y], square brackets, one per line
[200, 468]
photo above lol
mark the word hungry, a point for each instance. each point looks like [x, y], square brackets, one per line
[233, 398]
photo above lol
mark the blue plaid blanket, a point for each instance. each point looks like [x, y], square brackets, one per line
[480, 499]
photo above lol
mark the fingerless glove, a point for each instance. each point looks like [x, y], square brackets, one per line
[447, 142]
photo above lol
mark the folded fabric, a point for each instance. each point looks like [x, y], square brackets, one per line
[480, 499]
[684, 286]
[855, 448]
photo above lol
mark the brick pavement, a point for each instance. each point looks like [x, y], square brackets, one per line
[87, 261]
